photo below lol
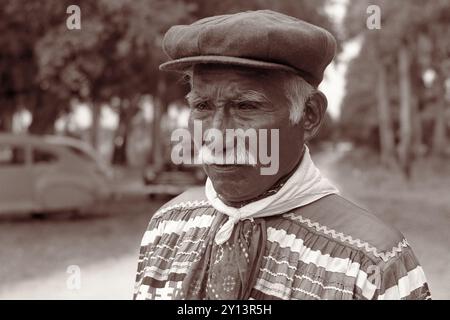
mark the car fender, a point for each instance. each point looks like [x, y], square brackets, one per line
[64, 192]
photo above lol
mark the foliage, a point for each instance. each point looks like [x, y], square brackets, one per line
[419, 28]
[112, 59]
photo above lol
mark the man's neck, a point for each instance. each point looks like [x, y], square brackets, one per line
[271, 191]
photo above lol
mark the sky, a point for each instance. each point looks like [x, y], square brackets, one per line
[333, 85]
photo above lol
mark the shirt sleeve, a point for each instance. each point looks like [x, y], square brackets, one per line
[152, 232]
[402, 278]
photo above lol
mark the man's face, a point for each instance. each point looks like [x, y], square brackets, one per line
[224, 97]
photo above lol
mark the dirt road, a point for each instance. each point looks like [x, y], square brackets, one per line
[35, 254]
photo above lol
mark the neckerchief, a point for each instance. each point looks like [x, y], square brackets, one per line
[306, 185]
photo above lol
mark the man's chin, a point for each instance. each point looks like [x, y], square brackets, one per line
[231, 189]
[232, 197]
[232, 175]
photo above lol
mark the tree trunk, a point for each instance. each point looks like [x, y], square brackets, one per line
[95, 126]
[405, 154]
[6, 116]
[45, 112]
[384, 118]
[120, 140]
[127, 111]
[439, 132]
[418, 101]
[157, 157]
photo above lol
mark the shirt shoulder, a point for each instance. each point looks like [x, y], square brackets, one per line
[195, 194]
[190, 199]
[351, 225]
[388, 267]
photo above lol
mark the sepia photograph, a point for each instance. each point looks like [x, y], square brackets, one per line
[224, 150]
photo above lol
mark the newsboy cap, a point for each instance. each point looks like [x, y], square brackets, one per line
[261, 39]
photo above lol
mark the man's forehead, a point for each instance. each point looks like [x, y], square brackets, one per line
[222, 82]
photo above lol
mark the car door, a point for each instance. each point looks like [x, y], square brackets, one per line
[47, 176]
[16, 191]
[60, 182]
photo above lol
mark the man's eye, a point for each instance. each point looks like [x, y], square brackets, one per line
[247, 106]
[201, 106]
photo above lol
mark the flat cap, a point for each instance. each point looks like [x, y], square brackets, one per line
[261, 39]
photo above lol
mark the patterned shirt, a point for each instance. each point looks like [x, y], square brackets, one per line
[329, 249]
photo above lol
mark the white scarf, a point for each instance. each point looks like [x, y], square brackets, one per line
[306, 185]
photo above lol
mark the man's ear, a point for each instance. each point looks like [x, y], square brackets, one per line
[314, 113]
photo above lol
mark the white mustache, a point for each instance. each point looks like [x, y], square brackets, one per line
[230, 156]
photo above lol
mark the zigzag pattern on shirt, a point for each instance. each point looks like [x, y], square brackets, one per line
[184, 205]
[346, 238]
[385, 256]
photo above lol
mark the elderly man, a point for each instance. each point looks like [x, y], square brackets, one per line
[249, 235]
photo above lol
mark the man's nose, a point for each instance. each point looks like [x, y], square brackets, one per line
[221, 119]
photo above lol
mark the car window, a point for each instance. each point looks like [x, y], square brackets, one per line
[80, 153]
[43, 156]
[11, 155]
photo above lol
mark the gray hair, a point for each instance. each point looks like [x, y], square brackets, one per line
[297, 91]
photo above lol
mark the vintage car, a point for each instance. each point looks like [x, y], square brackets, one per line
[42, 174]
[171, 180]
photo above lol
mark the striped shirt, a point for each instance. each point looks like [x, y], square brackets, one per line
[329, 249]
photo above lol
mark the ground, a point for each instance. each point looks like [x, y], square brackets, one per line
[35, 254]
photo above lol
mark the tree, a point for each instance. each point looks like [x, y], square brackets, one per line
[398, 54]
[386, 133]
[115, 54]
[22, 24]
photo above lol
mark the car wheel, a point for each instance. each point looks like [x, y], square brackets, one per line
[39, 215]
